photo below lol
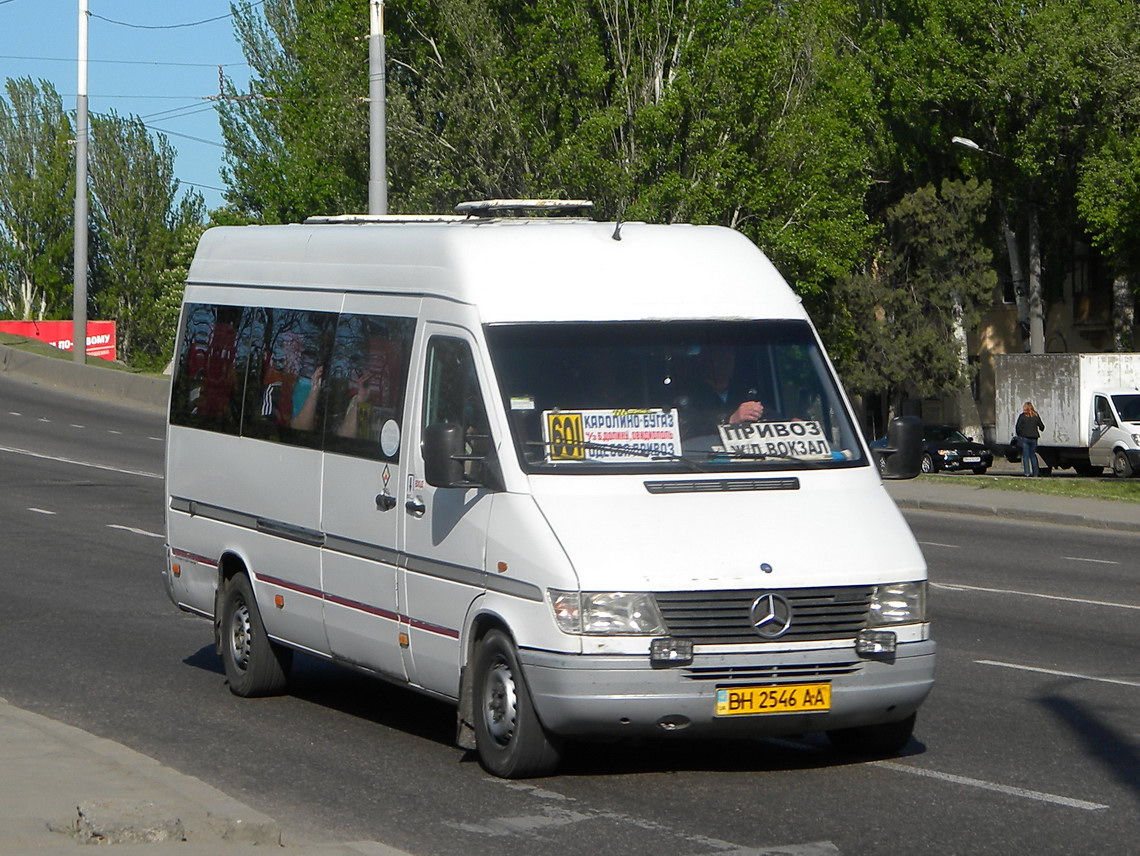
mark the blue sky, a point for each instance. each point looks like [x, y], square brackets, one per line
[154, 69]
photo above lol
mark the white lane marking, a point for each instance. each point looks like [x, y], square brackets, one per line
[73, 425]
[14, 413]
[552, 816]
[1059, 674]
[1095, 561]
[1039, 796]
[114, 432]
[44, 419]
[957, 587]
[133, 530]
[936, 544]
[80, 463]
[157, 439]
[41, 510]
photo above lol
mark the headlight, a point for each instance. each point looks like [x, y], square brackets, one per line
[897, 603]
[604, 613]
[1136, 440]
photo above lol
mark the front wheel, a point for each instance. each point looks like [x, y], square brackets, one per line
[928, 466]
[1121, 466]
[509, 738]
[874, 741]
[980, 471]
[254, 665]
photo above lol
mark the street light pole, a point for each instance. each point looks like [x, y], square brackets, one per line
[1030, 306]
[377, 116]
[79, 288]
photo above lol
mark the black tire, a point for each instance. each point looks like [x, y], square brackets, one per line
[874, 741]
[928, 465]
[509, 737]
[254, 665]
[1121, 466]
[980, 471]
[1088, 470]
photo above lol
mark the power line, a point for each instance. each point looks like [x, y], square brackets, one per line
[171, 26]
[121, 61]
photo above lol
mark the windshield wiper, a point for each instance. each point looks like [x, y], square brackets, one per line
[625, 450]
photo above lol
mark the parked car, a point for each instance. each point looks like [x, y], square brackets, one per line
[944, 447]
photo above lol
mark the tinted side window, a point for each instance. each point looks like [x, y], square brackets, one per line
[365, 383]
[209, 374]
[288, 359]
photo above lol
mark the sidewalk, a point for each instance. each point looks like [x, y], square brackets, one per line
[969, 494]
[62, 788]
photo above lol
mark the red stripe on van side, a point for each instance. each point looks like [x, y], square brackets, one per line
[297, 587]
[193, 557]
[362, 607]
[380, 612]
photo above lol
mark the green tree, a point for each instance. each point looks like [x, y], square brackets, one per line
[905, 315]
[139, 226]
[37, 184]
[296, 141]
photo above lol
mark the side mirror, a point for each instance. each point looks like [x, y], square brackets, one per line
[443, 448]
[445, 458]
[902, 456]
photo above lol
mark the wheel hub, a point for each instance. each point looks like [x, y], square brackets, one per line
[500, 704]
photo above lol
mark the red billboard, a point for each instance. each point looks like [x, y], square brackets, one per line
[101, 340]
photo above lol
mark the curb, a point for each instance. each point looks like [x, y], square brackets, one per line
[1059, 518]
[149, 802]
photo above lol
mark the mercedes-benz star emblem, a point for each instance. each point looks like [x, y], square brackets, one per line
[771, 615]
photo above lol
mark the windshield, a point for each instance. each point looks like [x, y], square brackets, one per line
[1128, 406]
[664, 396]
[943, 434]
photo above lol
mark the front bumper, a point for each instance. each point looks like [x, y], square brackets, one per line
[599, 696]
[960, 464]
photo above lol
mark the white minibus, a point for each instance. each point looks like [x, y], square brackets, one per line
[583, 480]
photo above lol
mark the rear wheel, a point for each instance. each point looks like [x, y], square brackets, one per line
[509, 738]
[1121, 467]
[254, 665]
[874, 741]
[981, 471]
[1088, 470]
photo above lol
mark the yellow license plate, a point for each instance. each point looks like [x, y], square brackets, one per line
[794, 698]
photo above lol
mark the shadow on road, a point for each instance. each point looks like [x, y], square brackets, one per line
[1109, 747]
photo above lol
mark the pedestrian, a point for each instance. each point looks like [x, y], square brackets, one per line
[1028, 431]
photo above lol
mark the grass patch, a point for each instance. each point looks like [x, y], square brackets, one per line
[43, 349]
[1065, 484]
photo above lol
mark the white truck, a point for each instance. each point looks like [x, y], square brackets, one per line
[1090, 404]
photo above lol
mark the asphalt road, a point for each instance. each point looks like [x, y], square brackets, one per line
[1030, 742]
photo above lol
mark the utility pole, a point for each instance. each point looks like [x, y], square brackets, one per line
[79, 289]
[377, 119]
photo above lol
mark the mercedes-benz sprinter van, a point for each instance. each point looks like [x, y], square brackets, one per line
[582, 479]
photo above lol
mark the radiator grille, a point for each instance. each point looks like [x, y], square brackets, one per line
[723, 617]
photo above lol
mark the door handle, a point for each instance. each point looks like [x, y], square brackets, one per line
[385, 502]
[416, 507]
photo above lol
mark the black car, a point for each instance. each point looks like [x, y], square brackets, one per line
[944, 447]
